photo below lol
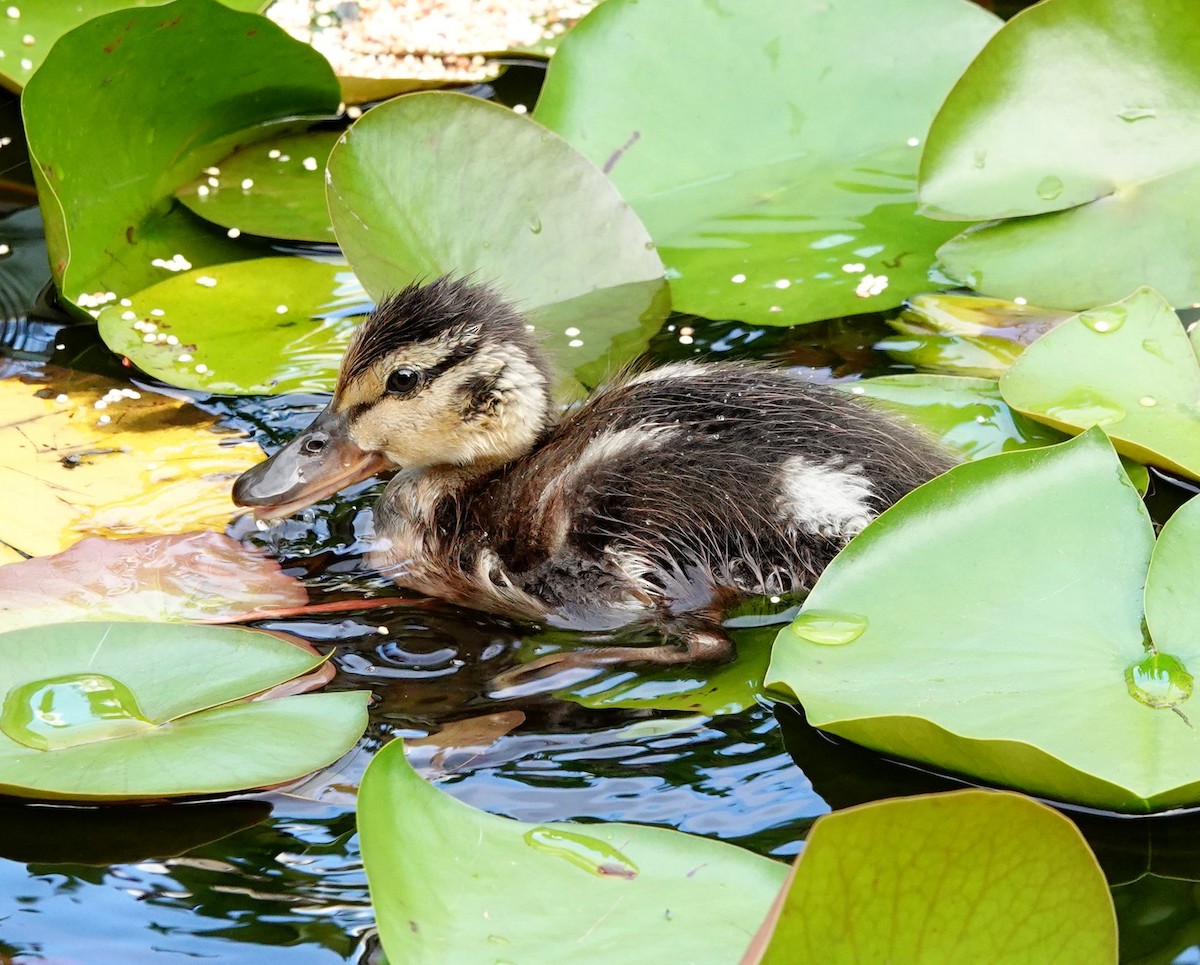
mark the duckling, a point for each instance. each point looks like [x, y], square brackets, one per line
[666, 497]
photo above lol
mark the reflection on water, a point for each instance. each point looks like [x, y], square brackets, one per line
[276, 878]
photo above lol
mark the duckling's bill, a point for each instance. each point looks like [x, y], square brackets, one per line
[317, 463]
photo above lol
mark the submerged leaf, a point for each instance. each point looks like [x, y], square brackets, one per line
[1082, 114]
[111, 223]
[260, 327]
[83, 457]
[622, 893]
[552, 233]
[970, 876]
[1015, 674]
[194, 576]
[115, 711]
[790, 195]
[1128, 367]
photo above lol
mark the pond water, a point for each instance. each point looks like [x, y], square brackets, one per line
[276, 878]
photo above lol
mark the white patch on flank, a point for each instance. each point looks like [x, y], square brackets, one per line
[825, 500]
[610, 445]
[675, 370]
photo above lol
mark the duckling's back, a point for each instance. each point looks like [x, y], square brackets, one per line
[681, 488]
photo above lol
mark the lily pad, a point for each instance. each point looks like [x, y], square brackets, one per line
[111, 223]
[87, 456]
[622, 893]
[790, 195]
[261, 327]
[194, 576]
[967, 415]
[26, 38]
[1103, 169]
[1129, 367]
[970, 876]
[552, 233]
[924, 639]
[117, 711]
[274, 188]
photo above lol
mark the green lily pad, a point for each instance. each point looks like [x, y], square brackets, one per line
[1129, 367]
[193, 576]
[114, 711]
[772, 199]
[970, 876]
[110, 220]
[275, 188]
[1104, 168]
[967, 415]
[927, 639]
[26, 38]
[552, 233]
[261, 327]
[621, 893]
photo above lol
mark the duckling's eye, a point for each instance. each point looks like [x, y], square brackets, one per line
[404, 381]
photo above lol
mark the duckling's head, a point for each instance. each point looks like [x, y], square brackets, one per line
[444, 374]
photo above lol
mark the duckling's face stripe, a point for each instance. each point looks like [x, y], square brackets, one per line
[429, 359]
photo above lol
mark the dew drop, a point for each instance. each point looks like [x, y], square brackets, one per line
[1152, 346]
[1104, 320]
[1132, 114]
[591, 854]
[536, 226]
[1086, 408]
[980, 160]
[1049, 188]
[1148, 401]
[829, 627]
[1160, 681]
[74, 709]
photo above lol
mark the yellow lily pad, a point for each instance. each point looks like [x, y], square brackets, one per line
[89, 456]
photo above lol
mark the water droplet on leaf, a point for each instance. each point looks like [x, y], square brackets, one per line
[1132, 114]
[1104, 320]
[1152, 346]
[75, 709]
[1049, 188]
[1159, 681]
[590, 854]
[1086, 408]
[829, 627]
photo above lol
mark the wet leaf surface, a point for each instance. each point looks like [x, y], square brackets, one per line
[275, 188]
[1129, 368]
[26, 38]
[92, 711]
[621, 892]
[815, 214]
[110, 215]
[192, 577]
[155, 466]
[553, 234]
[967, 415]
[970, 876]
[260, 327]
[969, 668]
[1081, 114]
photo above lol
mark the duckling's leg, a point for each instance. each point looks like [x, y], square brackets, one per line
[694, 637]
